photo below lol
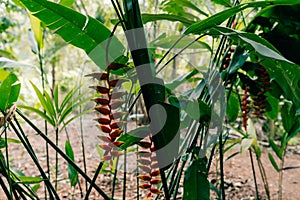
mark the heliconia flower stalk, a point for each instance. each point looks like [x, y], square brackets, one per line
[149, 167]
[108, 105]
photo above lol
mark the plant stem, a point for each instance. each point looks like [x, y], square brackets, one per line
[56, 158]
[30, 151]
[62, 154]
[222, 188]
[280, 178]
[254, 175]
[263, 176]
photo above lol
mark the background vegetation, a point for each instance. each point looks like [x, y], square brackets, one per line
[218, 78]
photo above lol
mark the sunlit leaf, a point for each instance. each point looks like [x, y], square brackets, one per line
[9, 90]
[72, 173]
[37, 30]
[217, 19]
[83, 32]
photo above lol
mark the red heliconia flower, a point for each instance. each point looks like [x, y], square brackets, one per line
[145, 186]
[103, 110]
[148, 196]
[103, 120]
[155, 181]
[101, 101]
[114, 82]
[115, 133]
[155, 172]
[118, 143]
[144, 177]
[155, 191]
[101, 89]
[105, 129]
[114, 125]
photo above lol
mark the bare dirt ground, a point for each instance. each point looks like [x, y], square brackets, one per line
[239, 182]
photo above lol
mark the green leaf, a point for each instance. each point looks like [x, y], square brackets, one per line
[36, 187]
[55, 96]
[273, 162]
[67, 3]
[196, 184]
[83, 32]
[9, 90]
[40, 113]
[167, 43]
[9, 140]
[226, 3]
[37, 30]
[288, 116]
[275, 148]
[3, 75]
[174, 18]
[274, 104]
[29, 180]
[180, 80]
[188, 4]
[217, 19]
[133, 137]
[260, 45]
[198, 110]
[72, 173]
[7, 54]
[233, 107]
[44, 102]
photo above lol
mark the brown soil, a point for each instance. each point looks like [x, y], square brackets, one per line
[239, 182]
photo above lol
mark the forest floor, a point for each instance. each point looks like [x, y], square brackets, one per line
[239, 183]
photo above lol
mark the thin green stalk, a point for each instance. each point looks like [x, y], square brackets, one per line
[62, 154]
[40, 57]
[280, 178]
[35, 160]
[254, 175]
[124, 176]
[263, 176]
[56, 158]
[7, 161]
[83, 147]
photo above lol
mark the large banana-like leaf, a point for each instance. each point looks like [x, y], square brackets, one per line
[79, 30]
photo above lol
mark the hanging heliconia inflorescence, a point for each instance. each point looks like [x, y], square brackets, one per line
[263, 83]
[254, 99]
[108, 105]
[148, 165]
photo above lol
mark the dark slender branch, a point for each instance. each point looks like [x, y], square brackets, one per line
[254, 175]
[62, 154]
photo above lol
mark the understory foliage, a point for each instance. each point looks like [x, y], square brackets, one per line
[197, 77]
